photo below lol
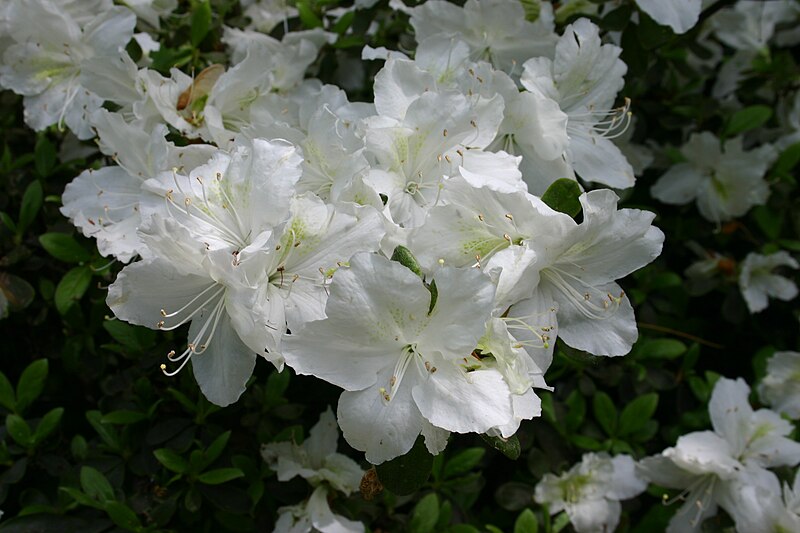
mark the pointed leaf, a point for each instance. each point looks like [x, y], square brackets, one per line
[562, 195]
[31, 383]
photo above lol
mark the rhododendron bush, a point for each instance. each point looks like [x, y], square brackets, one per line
[494, 265]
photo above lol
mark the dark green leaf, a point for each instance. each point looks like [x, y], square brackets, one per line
[64, 247]
[44, 156]
[636, 414]
[31, 203]
[19, 430]
[215, 449]
[95, 484]
[769, 220]
[661, 349]
[133, 337]
[425, 515]
[31, 383]
[47, 424]
[526, 522]
[8, 222]
[80, 497]
[509, 447]
[463, 461]
[7, 396]
[123, 417]
[604, 412]
[72, 287]
[408, 473]
[220, 475]
[562, 195]
[308, 18]
[171, 460]
[106, 432]
[747, 119]
[201, 21]
[122, 515]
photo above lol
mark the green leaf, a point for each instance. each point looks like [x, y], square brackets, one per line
[526, 522]
[769, 220]
[9, 223]
[343, 23]
[7, 396]
[106, 432]
[31, 383]
[44, 156]
[662, 349]
[123, 417]
[19, 430]
[47, 424]
[408, 473]
[636, 414]
[214, 450]
[64, 248]
[576, 412]
[220, 475]
[787, 160]
[136, 338]
[425, 515]
[80, 497]
[201, 22]
[561, 521]
[747, 119]
[404, 256]
[308, 18]
[171, 460]
[122, 515]
[587, 443]
[509, 447]
[562, 195]
[604, 412]
[95, 484]
[31, 203]
[72, 287]
[463, 461]
[79, 448]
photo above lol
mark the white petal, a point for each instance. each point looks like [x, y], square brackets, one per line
[680, 15]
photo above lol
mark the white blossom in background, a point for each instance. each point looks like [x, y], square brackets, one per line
[495, 30]
[780, 388]
[328, 472]
[151, 11]
[711, 465]
[724, 180]
[51, 48]
[583, 78]
[590, 491]
[758, 282]
[758, 505]
[680, 15]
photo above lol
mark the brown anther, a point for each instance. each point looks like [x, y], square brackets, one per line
[392, 381]
[447, 157]
[163, 313]
[508, 216]
[444, 132]
[160, 324]
[370, 485]
[473, 124]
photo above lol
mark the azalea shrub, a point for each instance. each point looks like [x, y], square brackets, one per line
[482, 266]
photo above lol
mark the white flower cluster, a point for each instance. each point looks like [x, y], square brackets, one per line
[270, 233]
[328, 472]
[728, 467]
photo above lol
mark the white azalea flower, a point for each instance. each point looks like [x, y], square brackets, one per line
[406, 368]
[315, 459]
[583, 79]
[266, 14]
[780, 388]
[328, 472]
[495, 30]
[707, 464]
[724, 181]
[151, 11]
[757, 504]
[207, 235]
[680, 15]
[439, 133]
[757, 281]
[50, 50]
[749, 25]
[591, 490]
